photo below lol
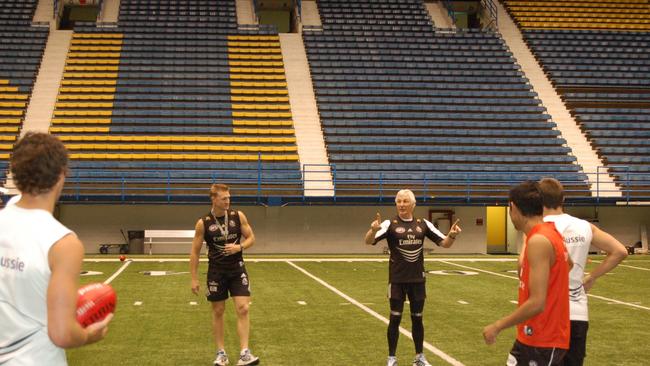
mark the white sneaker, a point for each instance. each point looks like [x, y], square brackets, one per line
[420, 360]
[222, 358]
[392, 361]
[247, 358]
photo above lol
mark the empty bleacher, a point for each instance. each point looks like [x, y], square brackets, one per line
[174, 99]
[603, 76]
[404, 105]
[21, 50]
[631, 15]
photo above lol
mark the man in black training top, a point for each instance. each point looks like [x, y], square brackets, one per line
[223, 230]
[405, 236]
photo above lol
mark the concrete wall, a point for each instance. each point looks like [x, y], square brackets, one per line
[315, 229]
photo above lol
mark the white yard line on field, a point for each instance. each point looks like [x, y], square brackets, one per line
[117, 273]
[186, 259]
[516, 278]
[450, 360]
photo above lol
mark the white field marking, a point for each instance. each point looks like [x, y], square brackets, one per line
[137, 303]
[427, 345]
[514, 302]
[193, 303]
[463, 302]
[318, 260]
[117, 273]
[302, 302]
[627, 265]
[590, 295]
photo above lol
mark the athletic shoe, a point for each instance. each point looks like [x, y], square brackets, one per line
[392, 361]
[247, 358]
[420, 360]
[222, 358]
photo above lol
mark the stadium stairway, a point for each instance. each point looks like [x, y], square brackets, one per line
[245, 12]
[310, 15]
[46, 87]
[439, 15]
[43, 12]
[603, 184]
[309, 135]
[110, 11]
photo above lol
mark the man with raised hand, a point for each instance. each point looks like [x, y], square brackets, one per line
[542, 316]
[579, 235]
[406, 277]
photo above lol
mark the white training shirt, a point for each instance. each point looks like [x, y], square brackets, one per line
[577, 236]
[26, 237]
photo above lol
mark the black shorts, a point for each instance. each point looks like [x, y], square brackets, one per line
[415, 291]
[221, 284]
[523, 355]
[578, 346]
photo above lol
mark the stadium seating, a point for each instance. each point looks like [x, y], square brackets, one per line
[402, 104]
[176, 90]
[629, 15]
[604, 78]
[21, 50]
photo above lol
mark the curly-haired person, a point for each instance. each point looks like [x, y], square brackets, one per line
[40, 262]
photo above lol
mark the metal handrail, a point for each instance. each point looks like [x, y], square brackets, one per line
[260, 185]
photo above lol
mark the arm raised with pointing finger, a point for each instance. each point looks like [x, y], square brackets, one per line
[374, 227]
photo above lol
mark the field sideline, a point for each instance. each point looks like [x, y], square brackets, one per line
[321, 310]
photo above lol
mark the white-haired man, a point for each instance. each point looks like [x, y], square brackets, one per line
[406, 277]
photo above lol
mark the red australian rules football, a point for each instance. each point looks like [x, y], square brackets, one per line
[94, 303]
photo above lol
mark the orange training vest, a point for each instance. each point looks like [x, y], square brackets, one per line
[550, 328]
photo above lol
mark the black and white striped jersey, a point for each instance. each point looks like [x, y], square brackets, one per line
[406, 243]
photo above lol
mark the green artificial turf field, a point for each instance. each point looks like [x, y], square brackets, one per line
[309, 312]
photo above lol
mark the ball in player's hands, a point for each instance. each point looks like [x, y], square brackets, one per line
[95, 301]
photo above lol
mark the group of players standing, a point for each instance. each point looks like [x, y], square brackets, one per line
[38, 296]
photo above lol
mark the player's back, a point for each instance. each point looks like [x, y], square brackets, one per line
[25, 239]
[577, 235]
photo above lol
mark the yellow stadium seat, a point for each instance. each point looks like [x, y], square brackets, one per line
[256, 64]
[83, 105]
[258, 99]
[255, 51]
[10, 121]
[9, 129]
[107, 90]
[261, 107]
[89, 82]
[88, 75]
[9, 89]
[94, 55]
[257, 76]
[235, 56]
[4, 156]
[92, 61]
[253, 84]
[13, 104]
[86, 97]
[93, 121]
[73, 68]
[7, 138]
[13, 96]
[11, 112]
[90, 41]
[95, 48]
[259, 91]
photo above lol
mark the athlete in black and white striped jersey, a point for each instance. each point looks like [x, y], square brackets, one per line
[405, 235]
